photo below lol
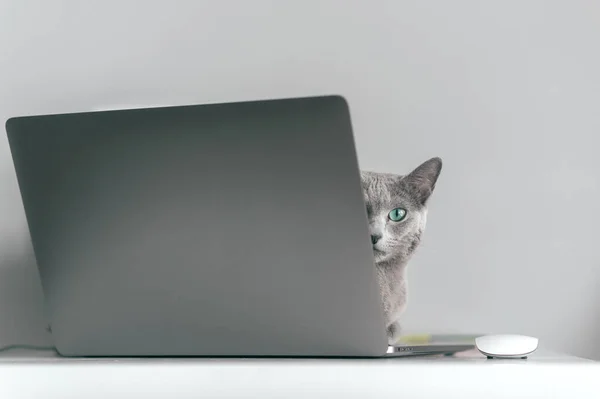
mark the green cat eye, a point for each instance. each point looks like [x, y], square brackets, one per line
[397, 214]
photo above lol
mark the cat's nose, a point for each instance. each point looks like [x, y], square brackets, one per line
[375, 238]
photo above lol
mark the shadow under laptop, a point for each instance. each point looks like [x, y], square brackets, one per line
[22, 320]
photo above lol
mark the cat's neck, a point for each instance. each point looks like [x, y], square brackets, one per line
[394, 265]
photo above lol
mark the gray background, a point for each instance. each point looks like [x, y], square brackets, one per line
[506, 92]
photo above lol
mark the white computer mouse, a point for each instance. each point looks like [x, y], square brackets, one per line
[506, 346]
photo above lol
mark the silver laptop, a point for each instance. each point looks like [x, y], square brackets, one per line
[232, 229]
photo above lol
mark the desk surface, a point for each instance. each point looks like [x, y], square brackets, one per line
[41, 357]
[31, 374]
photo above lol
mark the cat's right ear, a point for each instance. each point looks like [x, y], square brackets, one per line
[421, 181]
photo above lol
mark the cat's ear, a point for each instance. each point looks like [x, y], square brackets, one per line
[421, 181]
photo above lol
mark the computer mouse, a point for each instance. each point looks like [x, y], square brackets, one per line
[506, 346]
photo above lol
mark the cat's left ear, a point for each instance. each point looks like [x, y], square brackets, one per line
[421, 181]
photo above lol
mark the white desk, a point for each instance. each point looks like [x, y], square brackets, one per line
[27, 374]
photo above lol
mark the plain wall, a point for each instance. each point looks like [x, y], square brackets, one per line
[506, 92]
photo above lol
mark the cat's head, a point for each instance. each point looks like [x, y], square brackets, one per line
[397, 209]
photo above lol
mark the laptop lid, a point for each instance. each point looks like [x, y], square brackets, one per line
[207, 230]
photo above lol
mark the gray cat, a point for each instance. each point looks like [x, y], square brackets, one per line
[397, 212]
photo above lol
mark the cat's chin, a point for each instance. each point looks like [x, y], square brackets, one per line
[380, 256]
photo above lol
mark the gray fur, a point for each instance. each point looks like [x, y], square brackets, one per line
[398, 240]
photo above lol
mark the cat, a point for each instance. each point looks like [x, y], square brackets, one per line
[397, 214]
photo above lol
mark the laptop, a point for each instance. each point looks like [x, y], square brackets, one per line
[234, 229]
